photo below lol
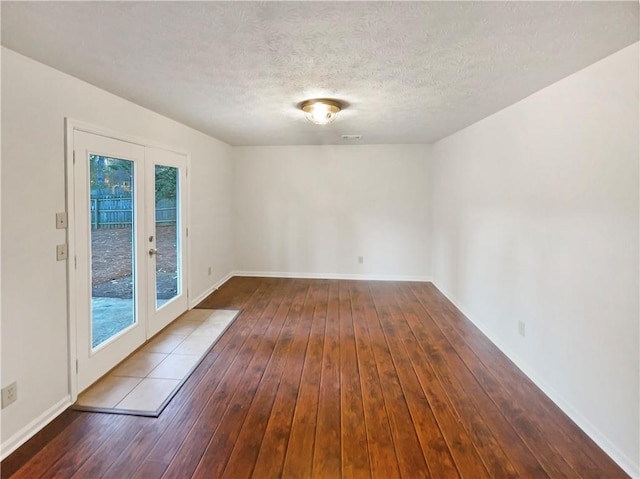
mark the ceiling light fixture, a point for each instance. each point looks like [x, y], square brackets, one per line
[321, 110]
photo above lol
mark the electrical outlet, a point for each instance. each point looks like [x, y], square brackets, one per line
[9, 394]
[209, 271]
[521, 326]
[61, 252]
[61, 220]
[360, 259]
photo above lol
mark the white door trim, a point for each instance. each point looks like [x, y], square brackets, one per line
[71, 125]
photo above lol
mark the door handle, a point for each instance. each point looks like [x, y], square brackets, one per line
[153, 251]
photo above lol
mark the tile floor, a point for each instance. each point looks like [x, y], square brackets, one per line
[143, 382]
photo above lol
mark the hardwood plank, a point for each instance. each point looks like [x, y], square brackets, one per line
[434, 447]
[299, 456]
[244, 453]
[66, 448]
[461, 386]
[109, 451]
[33, 446]
[327, 449]
[320, 378]
[555, 464]
[523, 460]
[577, 448]
[273, 447]
[411, 461]
[214, 433]
[149, 470]
[235, 293]
[465, 454]
[232, 352]
[218, 434]
[355, 451]
[181, 409]
[384, 462]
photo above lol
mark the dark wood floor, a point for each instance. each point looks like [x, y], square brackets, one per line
[332, 379]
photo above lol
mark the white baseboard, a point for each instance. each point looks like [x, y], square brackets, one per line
[194, 302]
[583, 423]
[358, 277]
[30, 430]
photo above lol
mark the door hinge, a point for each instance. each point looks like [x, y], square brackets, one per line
[187, 232]
[75, 262]
[74, 157]
[76, 366]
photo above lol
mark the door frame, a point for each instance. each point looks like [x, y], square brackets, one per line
[71, 125]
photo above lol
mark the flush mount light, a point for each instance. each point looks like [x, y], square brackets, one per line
[321, 110]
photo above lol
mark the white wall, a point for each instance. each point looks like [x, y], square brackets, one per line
[316, 209]
[35, 101]
[535, 219]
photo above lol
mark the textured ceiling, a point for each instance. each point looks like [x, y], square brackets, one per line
[411, 72]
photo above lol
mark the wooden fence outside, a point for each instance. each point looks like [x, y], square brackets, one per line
[117, 212]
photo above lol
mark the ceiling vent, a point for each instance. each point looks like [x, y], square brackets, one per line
[352, 137]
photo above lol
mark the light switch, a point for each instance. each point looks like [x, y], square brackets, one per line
[61, 220]
[61, 252]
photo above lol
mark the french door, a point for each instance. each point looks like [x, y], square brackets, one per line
[130, 243]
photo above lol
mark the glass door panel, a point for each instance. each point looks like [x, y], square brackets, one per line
[168, 248]
[167, 242]
[110, 280]
[113, 252]
[129, 245]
